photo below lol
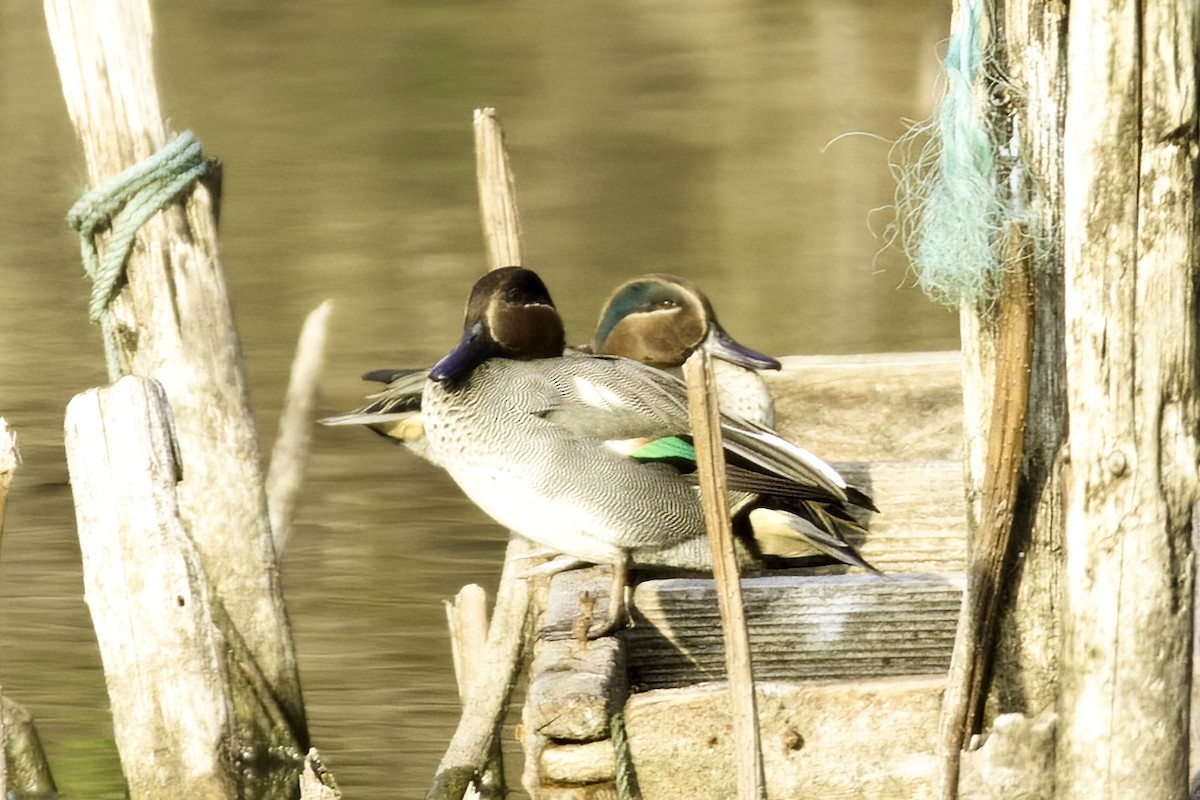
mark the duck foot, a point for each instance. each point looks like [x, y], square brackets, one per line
[617, 616]
[583, 625]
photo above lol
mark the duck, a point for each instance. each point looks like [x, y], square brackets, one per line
[660, 319]
[657, 318]
[525, 428]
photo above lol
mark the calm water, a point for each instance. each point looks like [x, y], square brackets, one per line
[679, 136]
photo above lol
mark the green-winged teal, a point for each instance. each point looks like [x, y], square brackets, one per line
[661, 319]
[525, 430]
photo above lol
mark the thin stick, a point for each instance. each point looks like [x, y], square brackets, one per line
[289, 457]
[10, 459]
[966, 690]
[467, 617]
[484, 710]
[497, 193]
[706, 429]
[474, 739]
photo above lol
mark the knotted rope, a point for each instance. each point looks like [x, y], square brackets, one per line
[122, 206]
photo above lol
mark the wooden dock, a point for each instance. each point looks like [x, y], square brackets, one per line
[849, 667]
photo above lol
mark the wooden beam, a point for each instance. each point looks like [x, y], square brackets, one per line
[834, 740]
[801, 628]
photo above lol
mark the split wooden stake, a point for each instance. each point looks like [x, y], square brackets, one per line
[706, 431]
[966, 690]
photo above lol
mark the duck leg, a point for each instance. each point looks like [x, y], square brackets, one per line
[618, 611]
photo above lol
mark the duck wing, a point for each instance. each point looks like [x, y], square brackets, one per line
[398, 401]
[615, 398]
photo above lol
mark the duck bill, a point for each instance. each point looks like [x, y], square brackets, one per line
[723, 346]
[471, 351]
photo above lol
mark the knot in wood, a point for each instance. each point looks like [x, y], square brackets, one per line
[1117, 463]
[792, 740]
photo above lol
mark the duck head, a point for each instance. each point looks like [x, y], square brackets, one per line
[662, 319]
[509, 315]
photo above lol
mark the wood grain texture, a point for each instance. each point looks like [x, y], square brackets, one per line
[801, 628]
[173, 323]
[885, 406]
[1129, 222]
[150, 605]
[832, 740]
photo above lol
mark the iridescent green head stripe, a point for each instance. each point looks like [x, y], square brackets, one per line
[662, 319]
[657, 319]
[642, 295]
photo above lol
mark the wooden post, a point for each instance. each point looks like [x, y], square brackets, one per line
[1026, 68]
[163, 657]
[173, 323]
[1129, 220]
[1031, 57]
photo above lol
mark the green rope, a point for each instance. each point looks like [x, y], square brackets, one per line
[123, 205]
[626, 787]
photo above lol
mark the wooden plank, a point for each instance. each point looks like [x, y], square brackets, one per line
[801, 628]
[922, 522]
[885, 406]
[163, 656]
[822, 741]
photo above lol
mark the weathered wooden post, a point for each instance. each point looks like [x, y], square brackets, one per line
[1031, 56]
[1131, 278]
[1092, 129]
[168, 318]
[172, 716]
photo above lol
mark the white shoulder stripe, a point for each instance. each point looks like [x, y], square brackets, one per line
[595, 395]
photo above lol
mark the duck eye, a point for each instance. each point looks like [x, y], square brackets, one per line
[664, 304]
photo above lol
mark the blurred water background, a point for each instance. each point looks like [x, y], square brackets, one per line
[742, 144]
